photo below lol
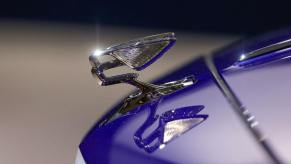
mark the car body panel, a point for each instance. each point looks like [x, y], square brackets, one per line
[221, 138]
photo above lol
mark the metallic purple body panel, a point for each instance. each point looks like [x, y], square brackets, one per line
[221, 138]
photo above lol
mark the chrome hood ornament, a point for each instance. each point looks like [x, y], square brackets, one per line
[137, 54]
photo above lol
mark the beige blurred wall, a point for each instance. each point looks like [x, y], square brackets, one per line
[48, 98]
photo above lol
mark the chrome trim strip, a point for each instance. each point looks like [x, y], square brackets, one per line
[246, 117]
[267, 49]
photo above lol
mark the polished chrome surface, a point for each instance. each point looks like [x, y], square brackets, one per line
[136, 54]
[266, 49]
[148, 93]
[143, 50]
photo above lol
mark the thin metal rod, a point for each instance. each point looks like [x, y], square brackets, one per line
[247, 118]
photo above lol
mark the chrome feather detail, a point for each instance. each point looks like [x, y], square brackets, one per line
[136, 54]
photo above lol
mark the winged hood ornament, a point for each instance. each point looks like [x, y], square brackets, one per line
[136, 54]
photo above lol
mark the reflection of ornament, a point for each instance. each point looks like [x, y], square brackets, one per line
[172, 124]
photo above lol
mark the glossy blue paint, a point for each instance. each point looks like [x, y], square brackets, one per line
[99, 144]
[104, 135]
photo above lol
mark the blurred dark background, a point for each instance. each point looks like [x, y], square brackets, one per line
[48, 98]
[225, 16]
